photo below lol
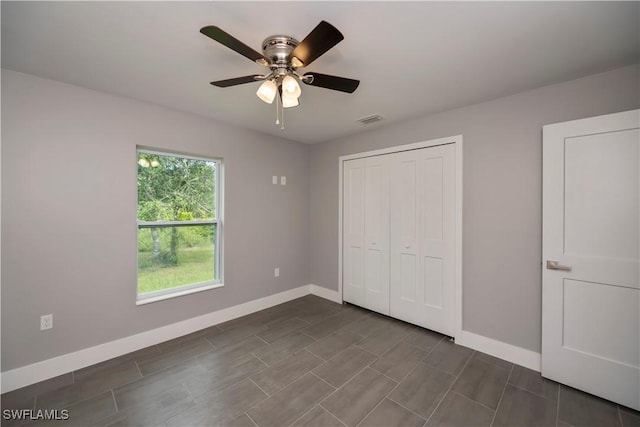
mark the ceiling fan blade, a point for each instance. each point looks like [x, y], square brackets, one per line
[322, 38]
[332, 82]
[237, 80]
[232, 43]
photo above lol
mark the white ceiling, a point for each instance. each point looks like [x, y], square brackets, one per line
[412, 58]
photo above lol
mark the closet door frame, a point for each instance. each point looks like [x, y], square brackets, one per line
[457, 141]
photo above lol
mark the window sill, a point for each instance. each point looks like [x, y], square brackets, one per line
[142, 300]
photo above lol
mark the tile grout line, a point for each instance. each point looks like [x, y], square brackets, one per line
[388, 377]
[504, 389]
[255, 335]
[620, 416]
[558, 407]
[339, 353]
[256, 384]
[387, 396]
[257, 357]
[531, 392]
[115, 403]
[397, 382]
[408, 409]
[135, 362]
[309, 336]
[303, 414]
[249, 416]
[373, 409]
[327, 383]
[451, 386]
[472, 400]
[331, 413]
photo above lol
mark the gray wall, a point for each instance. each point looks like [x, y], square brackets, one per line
[69, 215]
[502, 194]
[69, 206]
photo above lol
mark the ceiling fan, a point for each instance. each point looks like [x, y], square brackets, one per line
[284, 55]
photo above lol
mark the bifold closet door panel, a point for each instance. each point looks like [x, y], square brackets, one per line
[353, 242]
[422, 237]
[376, 232]
[407, 186]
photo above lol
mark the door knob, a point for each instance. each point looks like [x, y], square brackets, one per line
[553, 265]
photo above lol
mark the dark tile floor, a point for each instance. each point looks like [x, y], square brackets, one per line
[311, 362]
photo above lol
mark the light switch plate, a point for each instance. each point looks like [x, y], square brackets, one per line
[283, 180]
[274, 180]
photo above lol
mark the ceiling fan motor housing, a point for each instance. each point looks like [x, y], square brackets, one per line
[277, 49]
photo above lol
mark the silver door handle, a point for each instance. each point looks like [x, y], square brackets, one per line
[553, 265]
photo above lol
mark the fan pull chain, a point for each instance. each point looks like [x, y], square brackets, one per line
[281, 117]
[277, 109]
[279, 112]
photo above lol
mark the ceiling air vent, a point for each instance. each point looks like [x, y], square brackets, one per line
[370, 119]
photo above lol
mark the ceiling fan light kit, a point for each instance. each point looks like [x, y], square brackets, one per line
[284, 55]
[267, 91]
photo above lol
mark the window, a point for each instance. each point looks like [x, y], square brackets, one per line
[179, 227]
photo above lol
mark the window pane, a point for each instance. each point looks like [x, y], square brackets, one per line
[169, 257]
[174, 188]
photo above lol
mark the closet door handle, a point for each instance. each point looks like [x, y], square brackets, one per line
[407, 246]
[554, 265]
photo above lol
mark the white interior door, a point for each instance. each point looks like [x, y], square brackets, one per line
[376, 232]
[591, 297]
[353, 247]
[422, 237]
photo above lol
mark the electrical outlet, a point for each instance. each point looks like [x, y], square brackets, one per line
[46, 322]
[274, 179]
[276, 272]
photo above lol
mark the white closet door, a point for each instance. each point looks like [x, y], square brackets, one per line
[422, 237]
[407, 176]
[376, 231]
[353, 249]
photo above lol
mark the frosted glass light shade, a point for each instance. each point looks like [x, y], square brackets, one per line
[267, 91]
[289, 100]
[290, 85]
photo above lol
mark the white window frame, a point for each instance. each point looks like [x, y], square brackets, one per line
[190, 288]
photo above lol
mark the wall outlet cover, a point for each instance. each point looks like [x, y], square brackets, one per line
[46, 322]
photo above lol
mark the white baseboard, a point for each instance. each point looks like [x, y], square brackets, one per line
[40, 371]
[325, 293]
[518, 355]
